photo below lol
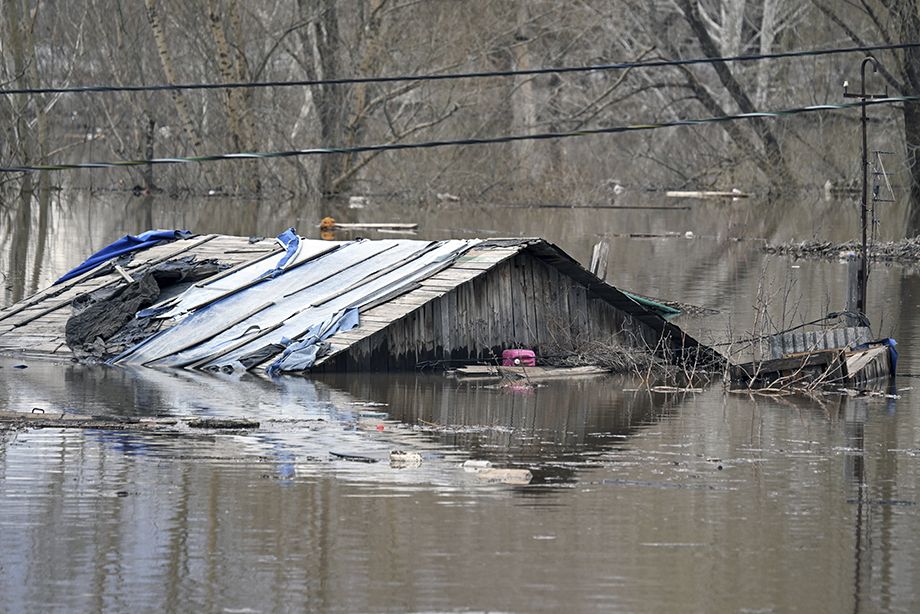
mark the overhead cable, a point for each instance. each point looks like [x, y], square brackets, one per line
[318, 151]
[454, 76]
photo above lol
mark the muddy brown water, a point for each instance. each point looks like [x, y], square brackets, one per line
[640, 502]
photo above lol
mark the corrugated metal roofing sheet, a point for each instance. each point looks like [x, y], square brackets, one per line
[315, 290]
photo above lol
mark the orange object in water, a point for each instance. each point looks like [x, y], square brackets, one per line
[327, 223]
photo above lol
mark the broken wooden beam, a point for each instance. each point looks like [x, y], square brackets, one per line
[38, 419]
[706, 194]
[533, 374]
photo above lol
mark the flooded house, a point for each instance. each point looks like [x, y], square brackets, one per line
[290, 304]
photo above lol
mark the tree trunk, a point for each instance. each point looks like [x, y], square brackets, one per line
[907, 14]
[22, 59]
[235, 103]
[912, 146]
[159, 37]
[775, 168]
[523, 102]
[321, 43]
[370, 37]
[767, 36]
[149, 140]
[732, 26]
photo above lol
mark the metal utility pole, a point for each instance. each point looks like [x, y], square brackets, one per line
[863, 276]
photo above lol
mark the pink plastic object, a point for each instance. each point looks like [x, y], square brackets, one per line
[519, 358]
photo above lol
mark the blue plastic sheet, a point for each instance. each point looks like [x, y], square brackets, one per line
[291, 242]
[125, 245]
[892, 353]
[301, 355]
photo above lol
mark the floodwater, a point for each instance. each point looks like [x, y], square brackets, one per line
[639, 502]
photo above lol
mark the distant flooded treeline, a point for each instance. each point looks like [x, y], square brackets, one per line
[100, 42]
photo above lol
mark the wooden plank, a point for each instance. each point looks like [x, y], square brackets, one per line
[473, 265]
[450, 300]
[828, 363]
[599, 256]
[519, 306]
[370, 225]
[423, 292]
[414, 299]
[536, 302]
[31, 343]
[508, 306]
[434, 316]
[351, 337]
[454, 275]
[528, 373]
[858, 360]
[490, 255]
[387, 312]
[465, 313]
[365, 317]
[580, 307]
[156, 258]
[441, 288]
[490, 313]
[52, 291]
[43, 312]
[52, 347]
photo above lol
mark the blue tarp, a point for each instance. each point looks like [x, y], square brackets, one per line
[301, 355]
[291, 243]
[125, 245]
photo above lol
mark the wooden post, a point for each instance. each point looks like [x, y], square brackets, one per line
[599, 257]
[854, 267]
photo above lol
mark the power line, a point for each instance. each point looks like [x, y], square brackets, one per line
[452, 76]
[459, 142]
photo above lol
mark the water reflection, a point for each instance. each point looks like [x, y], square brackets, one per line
[551, 429]
[633, 486]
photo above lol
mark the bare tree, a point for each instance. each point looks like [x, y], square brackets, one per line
[893, 21]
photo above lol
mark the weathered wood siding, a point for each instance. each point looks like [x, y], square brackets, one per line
[518, 302]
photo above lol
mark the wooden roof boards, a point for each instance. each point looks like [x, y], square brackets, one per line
[43, 315]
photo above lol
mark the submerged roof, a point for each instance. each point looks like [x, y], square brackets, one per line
[279, 301]
[246, 317]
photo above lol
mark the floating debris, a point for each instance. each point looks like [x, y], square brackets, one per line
[904, 251]
[223, 423]
[373, 414]
[733, 194]
[505, 476]
[39, 418]
[402, 458]
[354, 458]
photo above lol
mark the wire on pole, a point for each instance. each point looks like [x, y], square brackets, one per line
[83, 89]
[461, 142]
